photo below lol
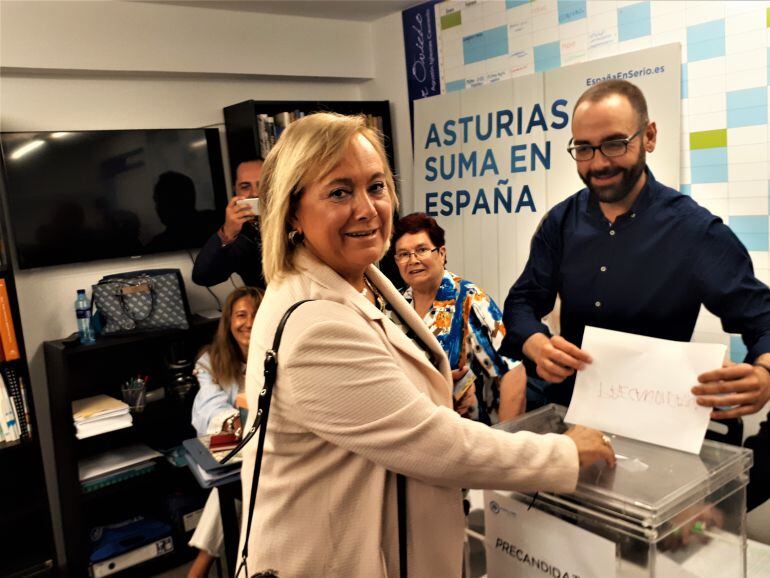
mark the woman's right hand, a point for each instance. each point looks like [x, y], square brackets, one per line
[231, 425]
[592, 446]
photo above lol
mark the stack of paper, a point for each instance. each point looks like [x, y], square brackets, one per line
[115, 465]
[99, 414]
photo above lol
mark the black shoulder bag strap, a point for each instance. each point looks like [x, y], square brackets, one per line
[260, 423]
[401, 499]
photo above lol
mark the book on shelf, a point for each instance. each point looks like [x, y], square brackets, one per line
[9, 425]
[295, 115]
[374, 122]
[282, 120]
[264, 122]
[270, 128]
[7, 331]
[119, 546]
[25, 402]
[15, 389]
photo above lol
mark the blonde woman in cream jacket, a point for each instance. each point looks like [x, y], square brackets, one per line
[357, 400]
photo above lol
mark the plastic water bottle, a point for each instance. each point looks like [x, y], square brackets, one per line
[83, 312]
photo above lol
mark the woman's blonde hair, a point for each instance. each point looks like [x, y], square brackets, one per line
[308, 150]
[224, 352]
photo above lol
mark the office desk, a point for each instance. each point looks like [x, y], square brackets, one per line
[228, 493]
[227, 480]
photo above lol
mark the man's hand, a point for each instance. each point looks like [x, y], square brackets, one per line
[556, 358]
[235, 216]
[747, 387]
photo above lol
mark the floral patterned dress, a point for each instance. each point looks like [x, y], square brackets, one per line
[468, 324]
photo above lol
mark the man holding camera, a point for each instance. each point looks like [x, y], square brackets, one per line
[236, 246]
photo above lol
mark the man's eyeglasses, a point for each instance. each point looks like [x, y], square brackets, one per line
[421, 253]
[610, 148]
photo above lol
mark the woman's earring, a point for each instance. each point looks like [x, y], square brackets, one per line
[296, 237]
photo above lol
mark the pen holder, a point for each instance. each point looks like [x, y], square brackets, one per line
[134, 391]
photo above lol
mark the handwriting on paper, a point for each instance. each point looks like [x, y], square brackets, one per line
[646, 395]
[639, 387]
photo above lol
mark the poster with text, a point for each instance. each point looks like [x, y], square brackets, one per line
[490, 161]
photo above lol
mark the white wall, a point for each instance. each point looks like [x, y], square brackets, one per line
[116, 65]
[135, 36]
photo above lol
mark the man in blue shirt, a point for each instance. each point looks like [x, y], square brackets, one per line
[631, 254]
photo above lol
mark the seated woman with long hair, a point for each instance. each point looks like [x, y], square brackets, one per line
[220, 371]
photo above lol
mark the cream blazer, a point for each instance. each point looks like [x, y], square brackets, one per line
[355, 401]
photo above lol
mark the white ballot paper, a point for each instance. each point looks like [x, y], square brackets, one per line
[639, 387]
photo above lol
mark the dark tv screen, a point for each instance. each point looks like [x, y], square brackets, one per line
[82, 196]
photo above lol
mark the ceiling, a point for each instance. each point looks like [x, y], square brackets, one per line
[360, 10]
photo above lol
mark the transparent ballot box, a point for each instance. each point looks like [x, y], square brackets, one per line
[660, 513]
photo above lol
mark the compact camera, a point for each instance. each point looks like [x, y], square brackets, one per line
[253, 203]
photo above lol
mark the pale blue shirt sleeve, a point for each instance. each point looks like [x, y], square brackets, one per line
[214, 403]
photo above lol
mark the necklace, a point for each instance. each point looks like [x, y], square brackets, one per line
[379, 301]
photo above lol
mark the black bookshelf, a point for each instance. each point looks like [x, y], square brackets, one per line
[241, 122]
[76, 371]
[26, 531]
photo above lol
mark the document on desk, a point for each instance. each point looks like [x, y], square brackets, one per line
[639, 387]
[757, 559]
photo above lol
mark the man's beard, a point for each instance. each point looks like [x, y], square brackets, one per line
[616, 193]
